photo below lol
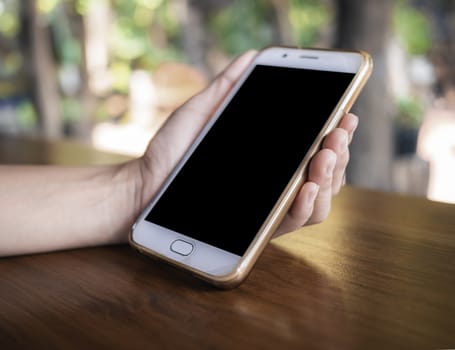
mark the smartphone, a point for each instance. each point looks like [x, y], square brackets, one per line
[223, 201]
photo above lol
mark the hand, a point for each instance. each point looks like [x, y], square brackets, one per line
[325, 178]
[182, 127]
[326, 170]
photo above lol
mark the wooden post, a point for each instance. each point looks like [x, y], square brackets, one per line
[44, 74]
[366, 25]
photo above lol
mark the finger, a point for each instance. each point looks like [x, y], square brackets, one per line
[321, 172]
[301, 209]
[192, 116]
[349, 123]
[337, 141]
[339, 174]
[207, 101]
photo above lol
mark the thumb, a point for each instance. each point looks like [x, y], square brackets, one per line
[209, 99]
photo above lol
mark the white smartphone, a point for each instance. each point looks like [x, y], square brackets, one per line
[221, 204]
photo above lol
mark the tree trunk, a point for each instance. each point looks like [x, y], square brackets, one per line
[194, 16]
[44, 74]
[366, 25]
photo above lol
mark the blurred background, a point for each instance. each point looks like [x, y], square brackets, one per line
[109, 73]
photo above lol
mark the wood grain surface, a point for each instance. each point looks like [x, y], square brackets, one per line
[378, 274]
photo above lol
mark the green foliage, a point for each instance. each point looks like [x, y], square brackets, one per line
[121, 72]
[412, 28]
[242, 26]
[71, 109]
[132, 45]
[47, 6]
[9, 19]
[81, 6]
[11, 65]
[68, 45]
[26, 114]
[251, 24]
[307, 17]
[410, 111]
[145, 33]
[132, 36]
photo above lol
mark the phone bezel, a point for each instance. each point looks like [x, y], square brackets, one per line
[141, 238]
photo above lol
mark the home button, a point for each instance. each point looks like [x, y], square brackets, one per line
[181, 247]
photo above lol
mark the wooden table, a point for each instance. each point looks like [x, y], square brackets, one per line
[378, 274]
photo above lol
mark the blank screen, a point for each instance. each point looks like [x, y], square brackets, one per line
[228, 186]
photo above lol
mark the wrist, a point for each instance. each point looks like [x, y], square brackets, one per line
[125, 195]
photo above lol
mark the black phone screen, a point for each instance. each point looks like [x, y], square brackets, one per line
[228, 186]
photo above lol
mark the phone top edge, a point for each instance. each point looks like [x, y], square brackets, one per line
[313, 49]
[347, 61]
